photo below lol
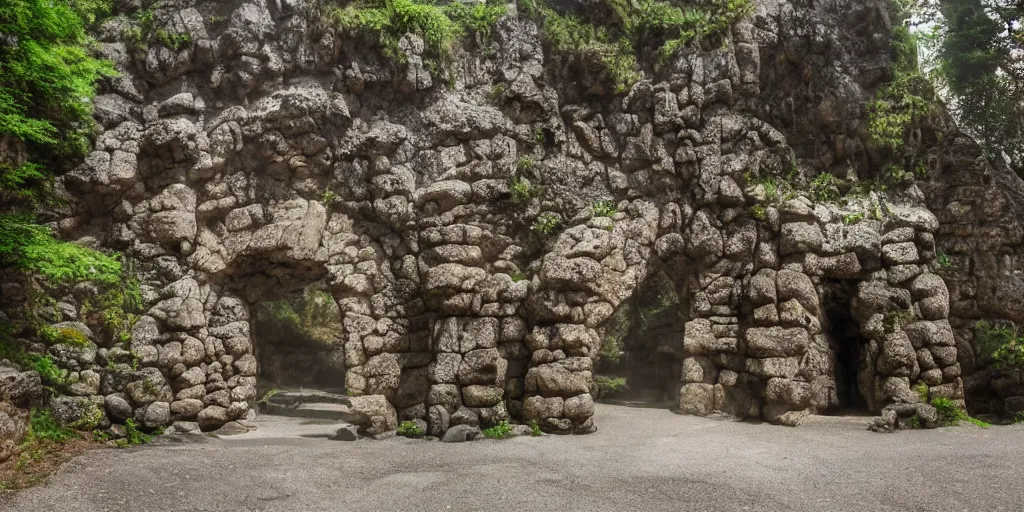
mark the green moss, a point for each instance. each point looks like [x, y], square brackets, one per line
[142, 31]
[499, 431]
[944, 263]
[517, 276]
[895, 320]
[758, 212]
[64, 335]
[497, 94]
[922, 392]
[409, 429]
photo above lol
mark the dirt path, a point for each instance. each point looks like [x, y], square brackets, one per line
[640, 459]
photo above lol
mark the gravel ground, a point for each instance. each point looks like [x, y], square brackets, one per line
[640, 459]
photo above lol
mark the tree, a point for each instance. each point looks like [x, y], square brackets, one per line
[978, 59]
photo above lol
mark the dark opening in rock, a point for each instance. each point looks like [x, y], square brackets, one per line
[847, 345]
[640, 354]
[297, 341]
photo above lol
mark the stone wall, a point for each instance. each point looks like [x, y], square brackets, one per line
[272, 152]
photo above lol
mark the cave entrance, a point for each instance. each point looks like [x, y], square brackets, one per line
[847, 344]
[640, 354]
[297, 341]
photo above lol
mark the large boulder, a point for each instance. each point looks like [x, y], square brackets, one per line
[372, 413]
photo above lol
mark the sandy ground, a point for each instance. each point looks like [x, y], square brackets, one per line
[640, 459]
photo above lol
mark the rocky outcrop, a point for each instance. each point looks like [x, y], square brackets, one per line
[18, 391]
[456, 228]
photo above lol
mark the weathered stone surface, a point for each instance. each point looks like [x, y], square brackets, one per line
[480, 250]
[373, 414]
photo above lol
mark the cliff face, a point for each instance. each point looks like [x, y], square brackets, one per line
[479, 236]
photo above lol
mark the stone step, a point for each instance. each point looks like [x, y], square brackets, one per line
[317, 411]
[305, 403]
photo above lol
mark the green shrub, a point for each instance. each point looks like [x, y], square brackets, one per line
[517, 276]
[409, 429]
[48, 371]
[42, 427]
[608, 387]
[499, 431]
[1000, 344]
[31, 247]
[328, 198]
[47, 76]
[546, 223]
[604, 208]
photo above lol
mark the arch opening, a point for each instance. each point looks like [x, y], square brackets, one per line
[848, 347]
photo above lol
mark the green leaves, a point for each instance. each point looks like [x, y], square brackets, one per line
[47, 76]
[614, 45]
[440, 26]
[31, 247]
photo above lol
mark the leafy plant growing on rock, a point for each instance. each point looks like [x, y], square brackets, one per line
[853, 218]
[521, 189]
[440, 26]
[133, 436]
[612, 42]
[499, 431]
[824, 188]
[410, 429]
[604, 208]
[900, 102]
[546, 223]
[535, 430]
[944, 263]
[951, 414]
